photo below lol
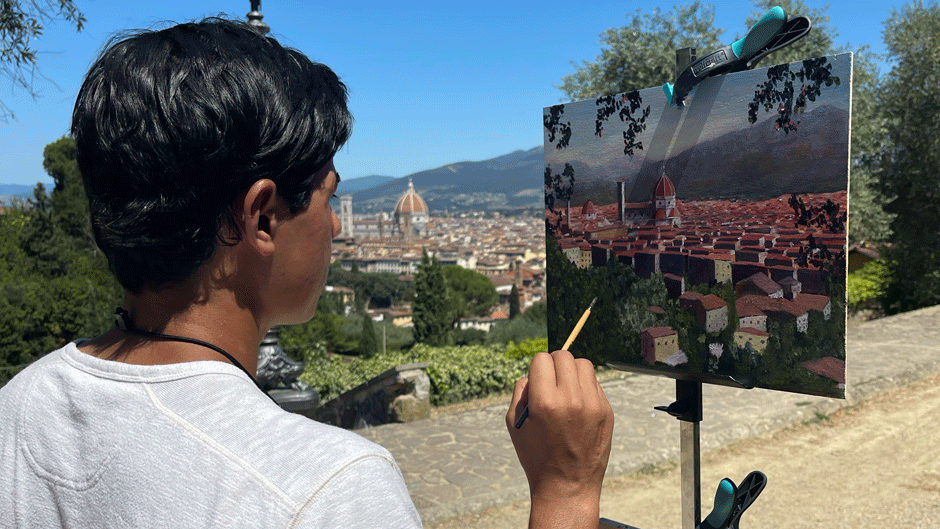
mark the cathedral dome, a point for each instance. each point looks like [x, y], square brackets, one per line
[664, 187]
[411, 202]
[588, 209]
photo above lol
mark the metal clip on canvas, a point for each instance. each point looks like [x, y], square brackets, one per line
[771, 33]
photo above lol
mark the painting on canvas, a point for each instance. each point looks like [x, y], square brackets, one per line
[712, 235]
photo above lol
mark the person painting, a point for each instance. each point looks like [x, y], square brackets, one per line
[207, 151]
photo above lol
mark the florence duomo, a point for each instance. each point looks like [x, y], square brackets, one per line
[406, 223]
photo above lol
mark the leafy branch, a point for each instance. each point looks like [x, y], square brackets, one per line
[555, 127]
[624, 107]
[812, 76]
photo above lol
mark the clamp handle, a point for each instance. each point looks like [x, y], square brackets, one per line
[771, 33]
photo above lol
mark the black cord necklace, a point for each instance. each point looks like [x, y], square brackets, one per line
[123, 321]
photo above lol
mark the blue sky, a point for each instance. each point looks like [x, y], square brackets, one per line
[431, 83]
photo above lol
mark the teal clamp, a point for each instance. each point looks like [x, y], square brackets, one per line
[731, 501]
[723, 508]
[771, 33]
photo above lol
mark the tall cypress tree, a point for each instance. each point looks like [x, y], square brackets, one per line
[368, 342]
[513, 302]
[429, 311]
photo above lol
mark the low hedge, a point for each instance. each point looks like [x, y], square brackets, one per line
[457, 373]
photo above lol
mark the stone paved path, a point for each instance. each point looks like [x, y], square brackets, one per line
[465, 462]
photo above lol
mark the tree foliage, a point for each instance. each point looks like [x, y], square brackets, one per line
[368, 342]
[908, 165]
[469, 293]
[530, 325]
[432, 322]
[54, 285]
[377, 290]
[642, 53]
[869, 221]
[513, 302]
[21, 21]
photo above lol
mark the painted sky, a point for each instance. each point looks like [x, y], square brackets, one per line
[716, 107]
[431, 83]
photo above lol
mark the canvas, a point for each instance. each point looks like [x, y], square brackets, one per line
[713, 235]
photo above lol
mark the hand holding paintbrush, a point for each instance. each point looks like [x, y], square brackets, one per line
[565, 445]
[568, 342]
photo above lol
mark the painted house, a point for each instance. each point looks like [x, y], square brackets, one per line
[711, 312]
[829, 367]
[658, 343]
[759, 284]
[755, 337]
[749, 312]
[815, 302]
[791, 287]
[784, 310]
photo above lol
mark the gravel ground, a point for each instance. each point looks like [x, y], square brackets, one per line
[872, 464]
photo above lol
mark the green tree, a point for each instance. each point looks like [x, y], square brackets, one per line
[432, 323]
[869, 220]
[60, 160]
[513, 302]
[382, 289]
[908, 165]
[20, 22]
[642, 53]
[55, 286]
[469, 293]
[368, 342]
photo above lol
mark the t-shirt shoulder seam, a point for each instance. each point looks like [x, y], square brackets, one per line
[221, 449]
[305, 504]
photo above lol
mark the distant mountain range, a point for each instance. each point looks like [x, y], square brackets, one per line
[351, 185]
[754, 163]
[511, 181]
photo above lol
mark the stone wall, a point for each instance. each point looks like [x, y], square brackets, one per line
[401, 394]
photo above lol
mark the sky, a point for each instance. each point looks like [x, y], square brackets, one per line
[430, 83]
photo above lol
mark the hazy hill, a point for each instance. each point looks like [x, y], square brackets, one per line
[753, 163]
[10, 191]
[351, 185]
[510, 181]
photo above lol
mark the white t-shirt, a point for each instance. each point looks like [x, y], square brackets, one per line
[93, 443]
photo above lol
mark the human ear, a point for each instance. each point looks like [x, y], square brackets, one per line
[257, 211]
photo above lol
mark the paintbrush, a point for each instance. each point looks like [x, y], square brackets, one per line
[568, 342]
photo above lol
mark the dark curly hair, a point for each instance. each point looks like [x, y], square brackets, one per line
[172, 125]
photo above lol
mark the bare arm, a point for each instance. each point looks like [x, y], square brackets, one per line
[564, 445]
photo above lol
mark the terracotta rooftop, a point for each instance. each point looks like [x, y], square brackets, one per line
[753, 331]
[828, 367]
[659, 332]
